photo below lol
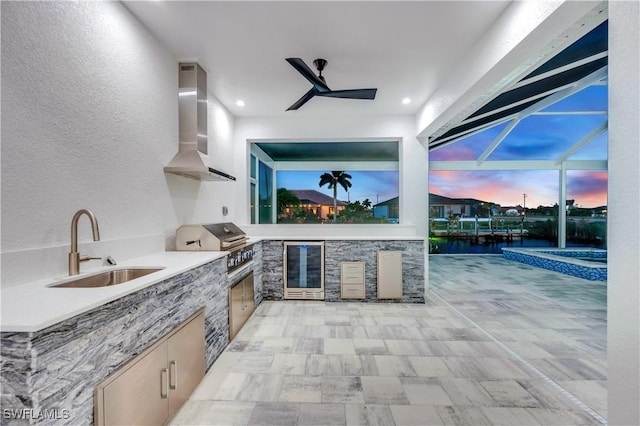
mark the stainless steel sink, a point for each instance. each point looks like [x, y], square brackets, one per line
[111, 277]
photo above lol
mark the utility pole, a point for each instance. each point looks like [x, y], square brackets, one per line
[524, 204]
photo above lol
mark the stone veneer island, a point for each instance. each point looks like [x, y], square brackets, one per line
[351, 250]
[59, 366]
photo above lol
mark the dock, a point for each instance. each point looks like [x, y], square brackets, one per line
[479, 228]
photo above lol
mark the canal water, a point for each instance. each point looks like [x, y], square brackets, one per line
[442, 245]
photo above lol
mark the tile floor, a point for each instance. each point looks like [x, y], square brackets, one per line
[497, 343]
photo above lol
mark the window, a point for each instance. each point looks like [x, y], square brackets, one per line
[587, 208]
[301, 199]
[265, 191]
[252, 204]
[325, 182]
[260, 191]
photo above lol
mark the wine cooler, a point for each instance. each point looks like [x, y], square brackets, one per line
[304, 270]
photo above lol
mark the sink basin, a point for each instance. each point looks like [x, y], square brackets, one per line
[111, 277]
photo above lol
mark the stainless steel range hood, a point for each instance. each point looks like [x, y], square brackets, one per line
[192, 161]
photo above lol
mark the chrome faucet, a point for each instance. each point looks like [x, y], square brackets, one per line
[74, 257]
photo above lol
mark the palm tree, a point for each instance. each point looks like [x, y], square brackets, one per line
[333, 179]
[366, 203]
[286, 198]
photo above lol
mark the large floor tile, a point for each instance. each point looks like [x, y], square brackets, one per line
[462, 416]
[370, 346]
[430, 366]
[416, 415]
[274, 414]
[383, 390]
[214, 413]
[286, 363]
[341, 389]
[392, 365]
[370, 414]
[260, 387]
[339, 347]
[301, 389]
[483, 349]
[509, 416]
[322, 415]
[509, 393]
[423, 391]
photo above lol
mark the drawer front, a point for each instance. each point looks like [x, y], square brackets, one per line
[352, 272]
[352, 291]
[352, 279]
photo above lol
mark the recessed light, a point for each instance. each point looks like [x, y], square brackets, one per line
[406, 101]
[240, 102]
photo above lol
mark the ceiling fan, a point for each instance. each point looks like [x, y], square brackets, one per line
[320, 87]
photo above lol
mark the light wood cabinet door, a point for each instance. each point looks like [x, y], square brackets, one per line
[150, 388]
[389, 275]
[139, 396]
[186, 362]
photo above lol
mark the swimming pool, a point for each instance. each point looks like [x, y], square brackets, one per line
[590, 264]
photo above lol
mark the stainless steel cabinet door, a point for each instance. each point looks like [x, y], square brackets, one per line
[186, 362]
[236, 312]
[140, 395]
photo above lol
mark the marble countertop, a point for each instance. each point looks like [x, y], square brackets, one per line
[35, 306]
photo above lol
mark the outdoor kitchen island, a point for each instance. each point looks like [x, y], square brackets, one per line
[356, 249]
[57, 348]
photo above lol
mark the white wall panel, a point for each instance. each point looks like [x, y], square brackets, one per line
[623, 284]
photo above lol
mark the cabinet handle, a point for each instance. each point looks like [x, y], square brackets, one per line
[173, 375]
[164, 383]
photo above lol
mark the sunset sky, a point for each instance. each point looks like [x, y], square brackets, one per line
[588, 188]
[537, 137]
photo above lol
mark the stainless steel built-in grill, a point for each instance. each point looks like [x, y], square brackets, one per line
[216, 237]
[213, 237]
[226, 237]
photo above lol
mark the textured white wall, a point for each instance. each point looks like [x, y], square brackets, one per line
[413, 177]
[86, 122]
[623, 285]
[89, 119]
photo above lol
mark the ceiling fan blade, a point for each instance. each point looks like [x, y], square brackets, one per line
[306, 72]
[304, 99]
[351, 94]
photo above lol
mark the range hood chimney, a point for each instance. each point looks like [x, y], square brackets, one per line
[192, 161]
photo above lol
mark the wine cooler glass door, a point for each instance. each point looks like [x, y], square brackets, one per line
[304, 270]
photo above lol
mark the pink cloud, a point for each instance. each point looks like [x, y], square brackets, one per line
[588, 188]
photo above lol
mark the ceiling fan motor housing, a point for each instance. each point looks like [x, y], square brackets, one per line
[320, 64]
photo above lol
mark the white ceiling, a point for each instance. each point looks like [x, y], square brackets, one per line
[404, 48]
